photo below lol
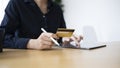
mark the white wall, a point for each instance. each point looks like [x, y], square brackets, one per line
[3, 4]
[102, 15]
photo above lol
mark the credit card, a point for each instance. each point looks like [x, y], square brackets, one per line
[63, 32]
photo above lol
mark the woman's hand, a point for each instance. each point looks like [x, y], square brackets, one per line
[75, 38]
[42, 42]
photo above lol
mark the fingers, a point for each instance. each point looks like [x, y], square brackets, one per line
[44, 40]
[78, 38]
[46, 37]
[75, 39]
[45, 44]
[49, 35]
[45, 47]
[49, 43]
[54, 36]
[39, 44]
[66, 41]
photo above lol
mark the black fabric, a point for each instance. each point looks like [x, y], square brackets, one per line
[23, 21]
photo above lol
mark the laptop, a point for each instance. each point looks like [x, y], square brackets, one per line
[90, 40]
[86, 45]
[90, 46]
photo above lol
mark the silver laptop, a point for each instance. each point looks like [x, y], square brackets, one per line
[90, 40]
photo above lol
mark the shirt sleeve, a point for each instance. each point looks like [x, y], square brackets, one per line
[11, 24]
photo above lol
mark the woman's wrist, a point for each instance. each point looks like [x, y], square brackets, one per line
[31, 44]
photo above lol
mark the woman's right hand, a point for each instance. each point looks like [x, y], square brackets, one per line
[42, 42]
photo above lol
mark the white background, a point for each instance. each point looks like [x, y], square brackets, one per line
[97, 17]
[102, 15]
[3, 4]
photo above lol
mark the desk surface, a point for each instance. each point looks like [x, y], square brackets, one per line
[108, 57]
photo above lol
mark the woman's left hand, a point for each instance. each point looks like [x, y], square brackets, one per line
[75, 38]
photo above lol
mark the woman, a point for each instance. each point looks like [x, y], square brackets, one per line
[24, 19]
